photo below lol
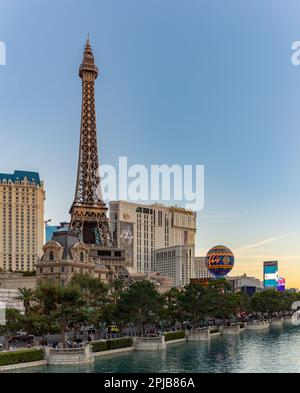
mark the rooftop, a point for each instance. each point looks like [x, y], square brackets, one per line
[21, 176]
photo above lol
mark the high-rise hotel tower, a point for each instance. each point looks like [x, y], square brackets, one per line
[22, 198]
[142, 229]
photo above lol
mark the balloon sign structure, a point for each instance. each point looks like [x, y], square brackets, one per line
[219, 261]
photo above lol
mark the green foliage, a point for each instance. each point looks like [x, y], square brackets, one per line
[27, 296]
[172, 311]
[273, 301]
[119, 343]
[29, 274]
[139, 304]
[96, 298]
[24, 356]
[99, 346]
[14, 321]
[52, 308]
[174, 335]
[192, 303]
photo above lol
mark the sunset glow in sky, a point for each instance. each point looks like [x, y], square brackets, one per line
[182, 82]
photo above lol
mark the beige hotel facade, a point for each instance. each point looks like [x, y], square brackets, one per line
[141, 229]
[22, 198]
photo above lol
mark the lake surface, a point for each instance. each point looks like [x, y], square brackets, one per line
[277, 350]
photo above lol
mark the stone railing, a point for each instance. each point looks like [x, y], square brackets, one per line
[66, 356]
[258, 325]
[277, 322]
[149, 343]
[67, 351]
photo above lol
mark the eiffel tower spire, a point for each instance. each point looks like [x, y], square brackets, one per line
[88, 211]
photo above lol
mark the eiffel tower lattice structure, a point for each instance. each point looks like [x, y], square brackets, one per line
[89, 212]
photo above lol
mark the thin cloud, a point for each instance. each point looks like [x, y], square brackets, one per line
[270, 257]
[266, 241]
[228, 215]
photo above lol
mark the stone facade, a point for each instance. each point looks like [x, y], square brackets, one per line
[64, 256]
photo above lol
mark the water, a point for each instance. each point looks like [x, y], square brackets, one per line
[276, 350]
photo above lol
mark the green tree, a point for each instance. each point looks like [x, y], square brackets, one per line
[192, 303]
[268, 301]
[27, 297]
[66, 306]
[13, 323]
[140, 304]
[96, 297]
[172, 306]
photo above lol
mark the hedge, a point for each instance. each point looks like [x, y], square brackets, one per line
[119, 343]
[108, 345]
[174, 335]
[24, 356]
[99, 346]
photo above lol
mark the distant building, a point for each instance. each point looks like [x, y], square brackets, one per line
[271, 274]
[16, 280]
[162, 283]
[22, 198]
[141, 229]
[292, 290]
[249, 285]
[176, 262]
[200, 268]
[8, 297]
[50, 229]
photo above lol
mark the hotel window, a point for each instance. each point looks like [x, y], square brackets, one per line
[159, 219]
[51, 256]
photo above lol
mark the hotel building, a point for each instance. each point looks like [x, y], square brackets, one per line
[176, 262]
[22, 198]
[200, 269]
[142, 229]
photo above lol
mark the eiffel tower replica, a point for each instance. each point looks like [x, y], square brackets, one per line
[89, 212]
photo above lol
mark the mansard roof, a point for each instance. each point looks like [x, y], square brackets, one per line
[20, 176]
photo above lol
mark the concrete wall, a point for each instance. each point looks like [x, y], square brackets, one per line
[261, 325]
[149, 343]
[83, 356]
[16, 281]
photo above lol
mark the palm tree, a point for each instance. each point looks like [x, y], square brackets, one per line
[27, 296]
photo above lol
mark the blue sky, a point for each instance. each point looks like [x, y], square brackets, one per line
[188, 82]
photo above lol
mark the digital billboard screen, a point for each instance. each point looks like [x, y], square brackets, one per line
[281, 284]
[271, 274]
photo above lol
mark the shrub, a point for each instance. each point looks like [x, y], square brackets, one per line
[174, 335]
[24, 356]
[119, 343]
[99, 346]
